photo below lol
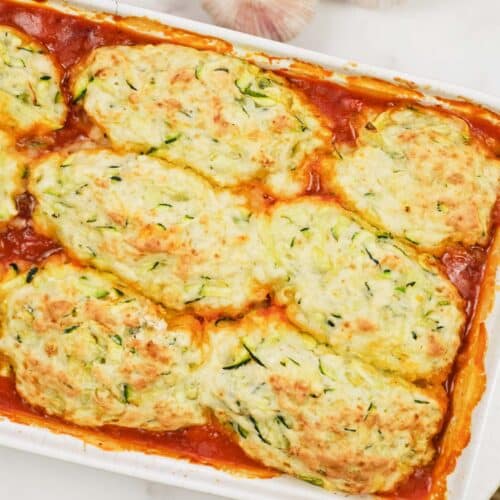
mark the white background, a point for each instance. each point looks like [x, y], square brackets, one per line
[452, 40]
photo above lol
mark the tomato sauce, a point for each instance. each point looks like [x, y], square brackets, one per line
[340, 106]
[207, 444]
[69, 39]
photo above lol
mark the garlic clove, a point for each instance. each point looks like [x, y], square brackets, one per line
[276, 19]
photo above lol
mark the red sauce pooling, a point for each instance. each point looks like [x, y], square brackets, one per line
[20, 242]
[339, 105]
[464, 267]
[208, 444]
[24, 244]
[68, 38]
[417, 487]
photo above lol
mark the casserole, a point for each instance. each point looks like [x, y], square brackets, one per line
[407, 91]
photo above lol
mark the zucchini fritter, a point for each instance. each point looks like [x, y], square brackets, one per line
[330, 420]
[222, 116]
[362, 292]
[86, 348]
[162, 228]
[30, 95]
[422, 176]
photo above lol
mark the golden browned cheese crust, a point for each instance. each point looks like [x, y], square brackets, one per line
[420, 175]
[86, 348]
[295, 405]
[220, 115]
[363, 292]
[161, 227]
[30, 94]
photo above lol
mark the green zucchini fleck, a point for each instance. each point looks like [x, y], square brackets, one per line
[337, 151]
[92, 253]
[241, 102]
[131, 86]
[371, 257]
[101, 294]
[242, 431]
[117, 339]
[384, 236]
[171, 138]
[415, 242]
[238, 363]
[263, 83]
[371, 406]
[197, 71]
[316, 481]
[303, 126]
[31, 274]
[256, 427]
[224, 318]
[125, 390]
[281, 420]
[71, 328]
[253, 356]
[192, 301]
[80, 96]
[248, 91]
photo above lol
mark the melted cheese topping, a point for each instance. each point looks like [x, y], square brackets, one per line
[295, 405]
[160, 227]
[420, 175]
[86, 348]
[30, 95]
[225, 118]
[363, 293]
[11, 173]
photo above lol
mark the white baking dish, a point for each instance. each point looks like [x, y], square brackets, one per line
[474, 478]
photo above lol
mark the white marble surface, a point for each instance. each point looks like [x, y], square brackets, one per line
[453, 40]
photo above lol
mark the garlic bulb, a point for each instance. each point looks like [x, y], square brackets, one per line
[275, 19]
